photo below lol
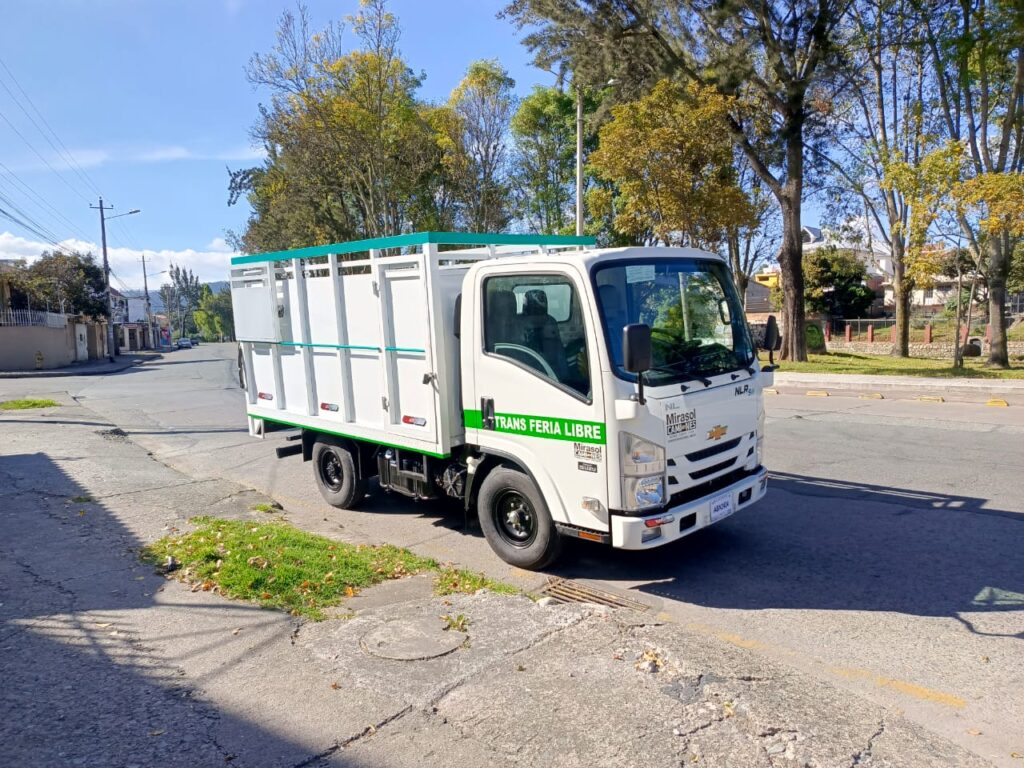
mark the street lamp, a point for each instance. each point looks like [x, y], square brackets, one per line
[111, 343]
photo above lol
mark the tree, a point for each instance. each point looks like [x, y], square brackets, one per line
[753, 243]
[772, 58]
[884, 115]
[351, 153]
[976, 52]
[835, 283]
[181, 297]
[671, 159]
[483, 103]
[543, 161]
[213, 317]
[71, 283]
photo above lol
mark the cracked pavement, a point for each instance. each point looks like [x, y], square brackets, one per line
[105, 663]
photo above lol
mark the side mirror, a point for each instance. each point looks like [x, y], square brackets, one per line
[772, 341]
[771, 334]
[636, 347]
[723, 311]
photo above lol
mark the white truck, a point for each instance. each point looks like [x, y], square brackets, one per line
[613, 395]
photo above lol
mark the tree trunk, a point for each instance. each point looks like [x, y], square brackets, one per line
[739, 276]
[998, 262]
[794, 343]
[902, 288]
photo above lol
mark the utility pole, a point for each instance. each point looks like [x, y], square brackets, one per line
[111, 350]
[579, 159]
[111, 342]
[149, 314]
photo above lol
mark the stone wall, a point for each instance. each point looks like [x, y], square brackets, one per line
[938, 350]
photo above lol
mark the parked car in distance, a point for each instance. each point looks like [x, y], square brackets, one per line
[184, 343]
[195, 341]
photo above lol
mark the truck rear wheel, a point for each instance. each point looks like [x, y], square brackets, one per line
[335, 471]
[515, 520]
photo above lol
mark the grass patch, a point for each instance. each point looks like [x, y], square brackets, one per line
[885, 365]
[452, 581]
[264, 507]
[277, 565]
[81, 499]
[26, 403]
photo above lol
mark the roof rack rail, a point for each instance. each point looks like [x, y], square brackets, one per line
[416, 239]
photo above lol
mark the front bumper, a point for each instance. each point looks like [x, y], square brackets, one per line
[628, 532]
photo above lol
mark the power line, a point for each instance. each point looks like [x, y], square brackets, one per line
[65, 154]
[39, 201]
[46, 162]
[29, 227]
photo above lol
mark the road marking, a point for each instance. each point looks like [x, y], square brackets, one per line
[816, 393]
[997, 402]
[930, 398]
[913, 690]
[770, 391]
[871, 396]
[910, 689]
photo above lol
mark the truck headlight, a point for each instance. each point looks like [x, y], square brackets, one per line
[643, 472]
[644, 492]
[641, 456]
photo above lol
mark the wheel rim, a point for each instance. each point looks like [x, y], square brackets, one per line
[330, 470]
[515, 519]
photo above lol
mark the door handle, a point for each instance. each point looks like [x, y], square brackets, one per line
[487, 412]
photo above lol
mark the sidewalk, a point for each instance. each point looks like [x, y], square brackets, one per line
[106, 663]
[909, 387]
[90, 368]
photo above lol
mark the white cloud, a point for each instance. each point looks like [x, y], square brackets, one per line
[94, 158]
[162, 154]
[210, 264]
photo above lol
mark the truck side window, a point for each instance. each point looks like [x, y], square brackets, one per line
[536, 322]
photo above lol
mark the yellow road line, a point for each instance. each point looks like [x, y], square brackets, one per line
[910, 689]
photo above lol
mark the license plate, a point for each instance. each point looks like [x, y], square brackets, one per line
[721, 506]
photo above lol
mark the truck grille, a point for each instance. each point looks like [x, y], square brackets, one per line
[713, 469]
[714, 450]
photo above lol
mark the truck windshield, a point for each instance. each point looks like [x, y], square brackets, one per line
[697, 323]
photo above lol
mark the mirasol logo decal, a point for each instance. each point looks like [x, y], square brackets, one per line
[541, 426]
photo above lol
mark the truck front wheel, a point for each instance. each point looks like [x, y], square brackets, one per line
[515, 520]
[335, 472]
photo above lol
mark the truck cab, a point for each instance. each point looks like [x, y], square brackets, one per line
[547, 385]
[553, 388]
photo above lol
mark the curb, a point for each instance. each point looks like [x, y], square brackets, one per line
[58, 373]
[1002, 392]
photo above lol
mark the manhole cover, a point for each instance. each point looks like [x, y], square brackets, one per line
[568, 591]
[411, 640]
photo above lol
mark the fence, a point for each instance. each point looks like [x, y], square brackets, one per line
[32, 317]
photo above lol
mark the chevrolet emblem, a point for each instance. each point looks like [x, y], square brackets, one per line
[717, 432]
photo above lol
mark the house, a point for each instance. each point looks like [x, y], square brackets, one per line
[131, 323]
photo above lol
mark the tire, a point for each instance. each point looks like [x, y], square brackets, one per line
[335, 472]
[515, 520]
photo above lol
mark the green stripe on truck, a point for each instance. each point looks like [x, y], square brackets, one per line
[548, 427]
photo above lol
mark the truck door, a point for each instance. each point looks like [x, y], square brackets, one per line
[535, 395]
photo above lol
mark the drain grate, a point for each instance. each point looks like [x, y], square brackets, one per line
[568, 591]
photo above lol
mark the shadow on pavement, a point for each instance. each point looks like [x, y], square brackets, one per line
[822, 544]
[80, 685]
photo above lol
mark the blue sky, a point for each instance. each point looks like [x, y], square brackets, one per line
[151, 100]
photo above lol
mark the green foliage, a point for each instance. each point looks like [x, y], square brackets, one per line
[213, 317]
[670, 157]
[834, 283]
[483, 103]
[451, 581]
[279, 566]
[65, 282]
[887, 365]
[544, 132]
[27, 403]
[815, 338]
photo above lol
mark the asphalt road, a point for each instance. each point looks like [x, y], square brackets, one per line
[887, 558]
